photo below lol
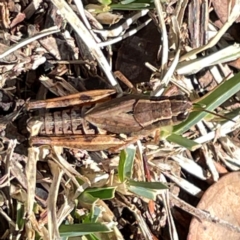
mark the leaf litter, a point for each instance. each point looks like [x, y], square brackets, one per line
[56, 48]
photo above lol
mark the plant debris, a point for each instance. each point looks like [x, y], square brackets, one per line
[87, 53]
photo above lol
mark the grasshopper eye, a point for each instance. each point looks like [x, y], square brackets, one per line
[182, 116]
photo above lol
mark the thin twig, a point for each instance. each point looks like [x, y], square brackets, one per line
[200, 214]
[26, 41]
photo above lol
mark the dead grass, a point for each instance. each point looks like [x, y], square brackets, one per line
[55, 49]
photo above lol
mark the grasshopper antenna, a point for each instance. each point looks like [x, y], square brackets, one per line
[205, 110]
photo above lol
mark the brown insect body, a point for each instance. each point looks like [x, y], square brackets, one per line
[65, 122]
[134, 115]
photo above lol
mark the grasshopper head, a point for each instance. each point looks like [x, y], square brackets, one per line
[180, 110]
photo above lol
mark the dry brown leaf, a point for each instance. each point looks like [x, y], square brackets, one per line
[223, 8]
[19, 18]
[221, 200]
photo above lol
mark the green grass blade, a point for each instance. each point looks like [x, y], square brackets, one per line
[149, 185]
[131, 6]
[126, 163]
[102, 193]
[144, 192]
[146, 189]
[218, 96]
[91, 237]
[182, 141]
[121, 166]
[82, 229]
[20, 216]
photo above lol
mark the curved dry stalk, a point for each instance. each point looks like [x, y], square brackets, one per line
[164, 37]
[26, 41]
[88, 39]
[169, 73]
[231, 19]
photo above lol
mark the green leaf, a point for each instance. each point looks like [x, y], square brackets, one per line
[126, 163]
[121, 166]
[82, 229]
[87, 198]
[148, 190]
[20, 216]
[137, 1]
[131, 6]
[127, 1]
[93, 215]
[91, 237]
[102, 193]
[89, 202]
[182, 141]
[150, 185]
[144, 192]
[105, 2]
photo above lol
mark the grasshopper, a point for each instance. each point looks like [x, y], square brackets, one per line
[133, 115]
